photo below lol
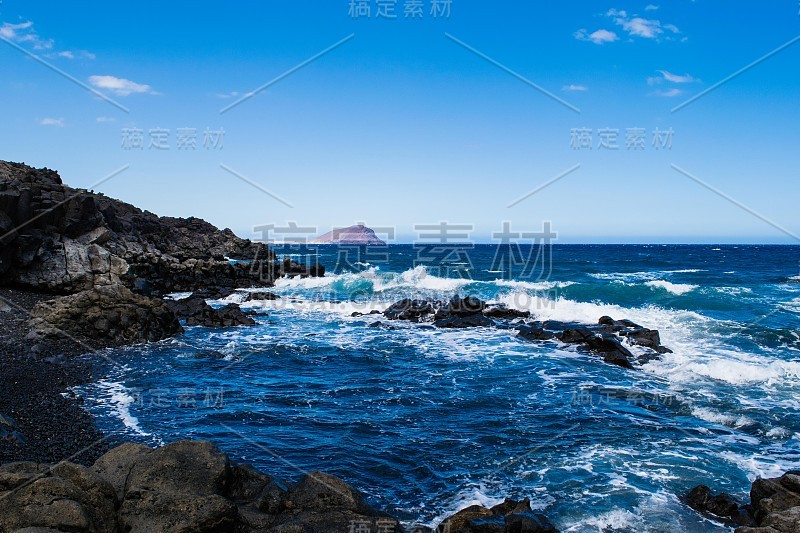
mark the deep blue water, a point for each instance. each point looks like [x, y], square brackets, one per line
[428, 421]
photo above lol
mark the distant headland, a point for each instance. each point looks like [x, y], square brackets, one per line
[358, 234]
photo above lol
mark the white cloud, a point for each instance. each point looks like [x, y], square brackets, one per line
[24, 33]
[106, 119]
[669, 93]
[52, 122]
[675, 78]
[69, 54]
[641, 27]
[670, 77]
[649, 29]
[597, 37]
[651, 7]
[574, 87]
[120, 86]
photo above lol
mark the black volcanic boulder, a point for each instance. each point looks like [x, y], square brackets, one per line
[649, 338]
[111, 314]
[576, 335]
[461, 307]
[534, 333]
[636, 334]
[508, 517]
[612, 350]
[461, 322]
[196, 312]
[261, 296]
[721, 505]
[408, 309]
[504, 313]
[213, 293]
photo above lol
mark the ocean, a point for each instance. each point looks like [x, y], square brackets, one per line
[428, 421]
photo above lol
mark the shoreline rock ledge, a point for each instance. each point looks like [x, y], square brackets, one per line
[192, 487]
[185, 486]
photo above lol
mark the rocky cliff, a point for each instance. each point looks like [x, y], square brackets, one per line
[63, 240]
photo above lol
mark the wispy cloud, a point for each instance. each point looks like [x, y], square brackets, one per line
[52, 122]
[597, 37]
[651, 7]
[668, 93]
[120, 86]
[666, 76]
[69, 54]
[23, 32]
[105, 119]
[574, 87]
[675, 78]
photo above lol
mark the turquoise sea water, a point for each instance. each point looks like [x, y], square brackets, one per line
[427, 421]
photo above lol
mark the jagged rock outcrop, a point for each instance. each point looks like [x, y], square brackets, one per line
[186, 486]
[774, 505]
[62, 240]
[608, 338]
[112, 314]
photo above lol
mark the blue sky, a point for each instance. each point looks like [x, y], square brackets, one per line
[403, 125]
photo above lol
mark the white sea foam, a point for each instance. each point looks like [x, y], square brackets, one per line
[758, 465]
[677, 289]
[728, 366]
[711, 415]
[119, 398]
[734, 291]
[474, 495]
[534, 286]
[614, 520]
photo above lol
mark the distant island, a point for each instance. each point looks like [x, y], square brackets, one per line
[358, 234]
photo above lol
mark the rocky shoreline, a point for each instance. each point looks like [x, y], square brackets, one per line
[80, 273]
